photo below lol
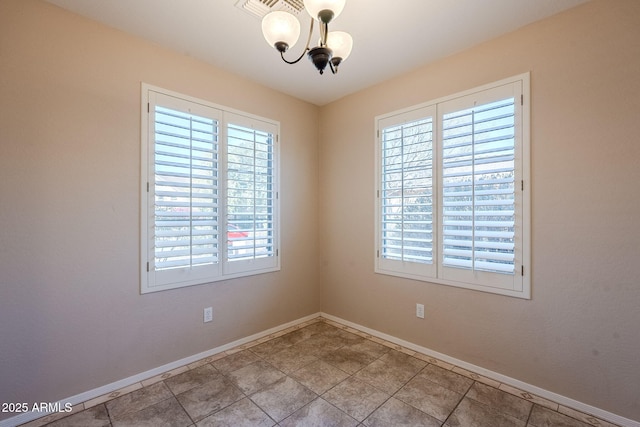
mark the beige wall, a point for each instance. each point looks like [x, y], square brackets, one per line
[71, 317]
[580, 334]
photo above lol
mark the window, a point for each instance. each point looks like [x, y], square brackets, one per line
[452, 204]
[209, 203]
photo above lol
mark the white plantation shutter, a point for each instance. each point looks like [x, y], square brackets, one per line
[208, 193]
[479, 215]
[405, 209]
[186, 190]
[478, 187]
[479, 194]
[183, 191]
[251, 194]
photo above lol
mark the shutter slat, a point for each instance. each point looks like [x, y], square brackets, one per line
[466, 254]
[477, 183]
[250, 199]
[186, 190]
[478, 187]
[406, 158]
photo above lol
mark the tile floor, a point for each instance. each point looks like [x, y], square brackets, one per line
[321, 373]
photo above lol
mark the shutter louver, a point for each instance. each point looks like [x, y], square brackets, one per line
[250, 193]
[186, 190]
[478, 170]
[406, 193]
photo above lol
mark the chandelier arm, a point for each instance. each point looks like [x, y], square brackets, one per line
[334, 70]
[306, 49]
[324, 30]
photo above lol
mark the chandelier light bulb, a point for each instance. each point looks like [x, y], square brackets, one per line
[340, 43]
[317, 9]
[280, 29]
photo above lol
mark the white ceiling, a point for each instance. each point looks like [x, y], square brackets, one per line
[390, 37]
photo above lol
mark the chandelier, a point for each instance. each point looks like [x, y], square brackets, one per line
[282, 29]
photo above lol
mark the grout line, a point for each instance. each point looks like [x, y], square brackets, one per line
[459, 402]
[529, 415]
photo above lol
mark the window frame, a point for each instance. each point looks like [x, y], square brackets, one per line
[222, 268]
[436, 272]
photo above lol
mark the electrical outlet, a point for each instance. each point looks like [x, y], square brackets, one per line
[208, 314]
[420, 311]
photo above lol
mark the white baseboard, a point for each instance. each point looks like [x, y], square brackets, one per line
[125, 382]
[549, 395]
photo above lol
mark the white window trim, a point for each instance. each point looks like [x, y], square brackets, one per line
[522, 287]
[223, 270]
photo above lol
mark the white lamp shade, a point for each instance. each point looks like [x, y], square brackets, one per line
[340, 43]
[280, 26]
[315, 6]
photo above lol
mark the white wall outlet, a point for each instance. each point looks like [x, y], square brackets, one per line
[420, 311]
[208, 314]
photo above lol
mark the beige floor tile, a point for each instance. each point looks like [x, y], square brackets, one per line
[206, 360]
[216, 394]
[399, 414]
[391, 371]
[296, 336]
[320, 344]
[283, 398]
[589, 419]
[319, 327]
[356, 398]
[348, 359]
[138, 400]
[429, 397]
[191, 378]
[47, 419]
[351, 330]
[167, 413]
[319, 413]
[472, 413]
[243, 413]
[434, 361]
[348, 338]
[334, 323]
[530, 397]
[290, 359]
[255, 377]
[109, 396]
[446, 378]
[381, 341]
[272, 346]
[544, 417]
[319, 376]
[501, 401]
[476, 377]
[371, 348]
[164, 376]
[235, 361]
[94, 417]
